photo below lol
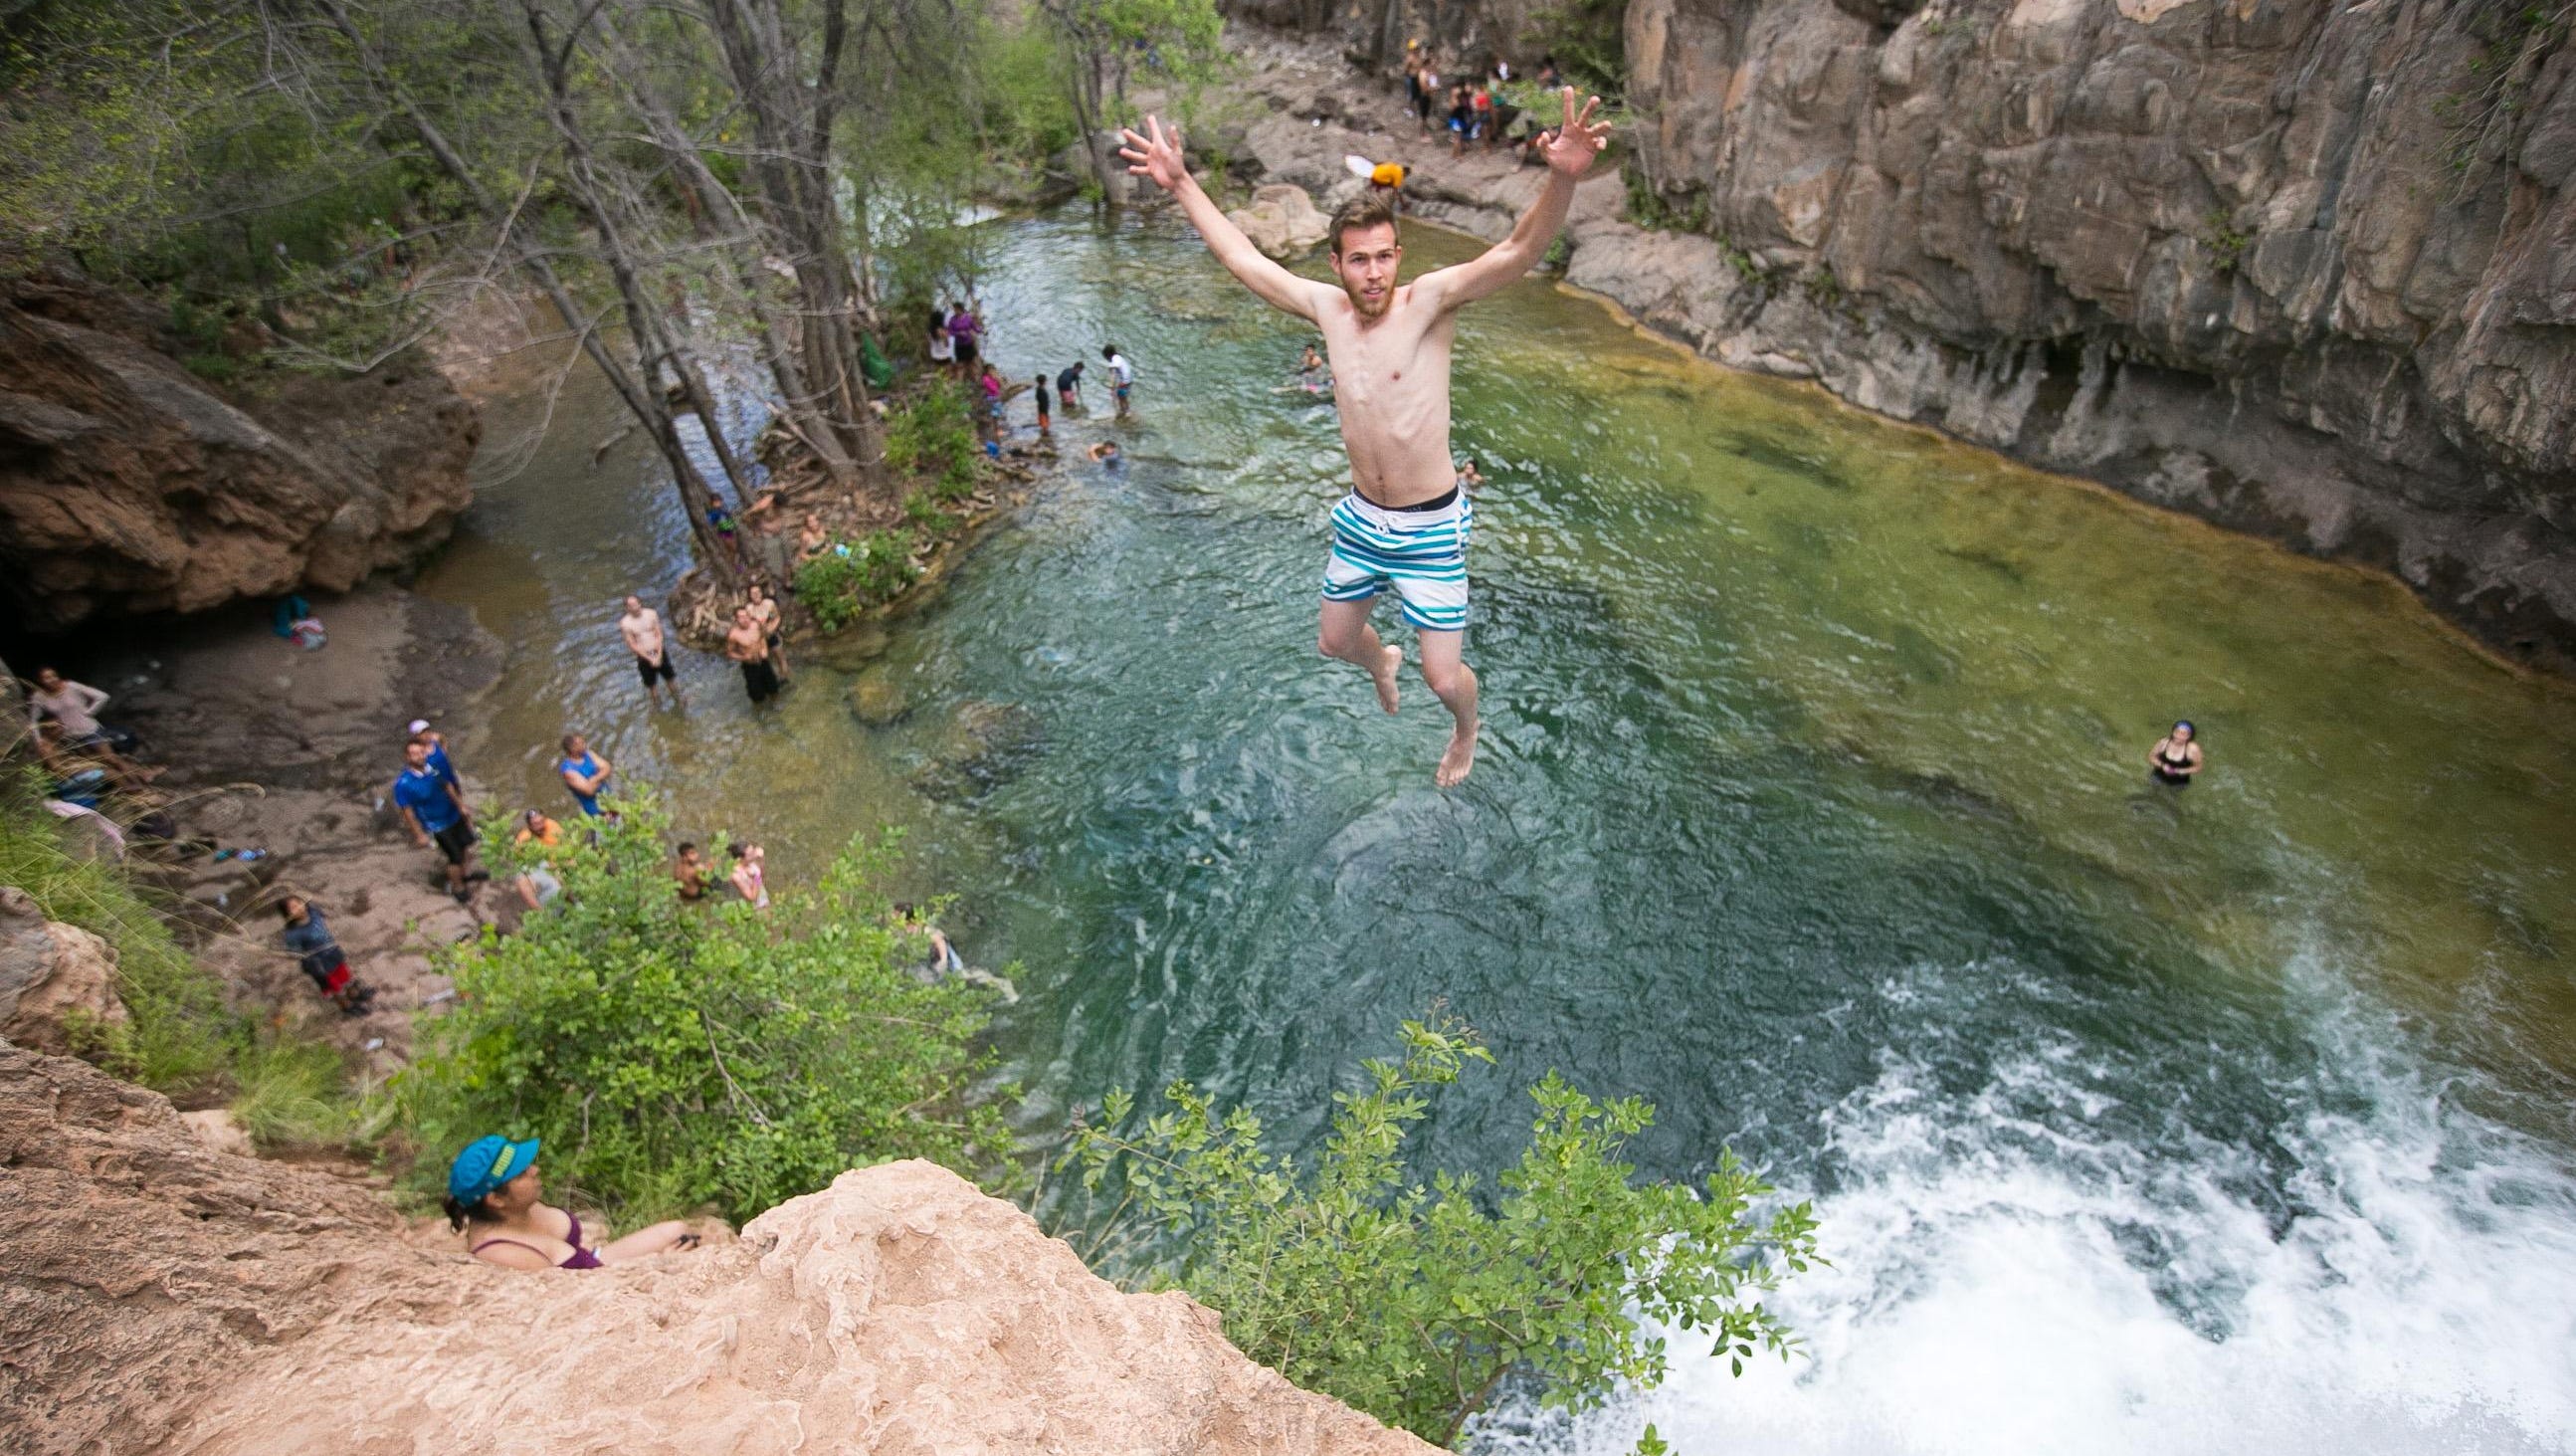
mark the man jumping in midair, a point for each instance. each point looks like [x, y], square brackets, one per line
[1405, 523]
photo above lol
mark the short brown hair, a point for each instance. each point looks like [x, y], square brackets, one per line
[1369, 209]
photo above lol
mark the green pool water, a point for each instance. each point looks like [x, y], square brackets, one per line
[1811, 805]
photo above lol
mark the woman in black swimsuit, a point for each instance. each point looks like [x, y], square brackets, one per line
[2175, 758]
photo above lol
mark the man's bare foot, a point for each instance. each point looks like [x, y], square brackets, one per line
[1458, 760]
[1385, 678]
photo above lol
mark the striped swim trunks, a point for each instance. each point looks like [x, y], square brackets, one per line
[1421, 552]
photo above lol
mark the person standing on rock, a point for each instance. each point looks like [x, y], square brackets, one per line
[439, 762]
[1068, 387]
[318, 951]
[435, 809]
[641, 626]
[1405, 523]
[748, 644]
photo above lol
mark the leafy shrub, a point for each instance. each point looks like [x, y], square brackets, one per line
[934, 435]
[1415, 1304]
[676, 1055]
[921, 509]
[837, 587]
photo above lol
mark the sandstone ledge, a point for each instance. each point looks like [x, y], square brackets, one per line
[161, 1296]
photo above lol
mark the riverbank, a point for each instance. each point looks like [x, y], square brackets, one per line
[2506, 577]
[290, 753]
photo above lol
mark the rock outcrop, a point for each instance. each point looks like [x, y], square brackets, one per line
[2306, 269]
[159, 1295]
[1282, 221]
[128, 485]
[53, 977]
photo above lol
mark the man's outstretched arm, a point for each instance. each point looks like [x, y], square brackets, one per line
[1569, 151]
[1159, 156]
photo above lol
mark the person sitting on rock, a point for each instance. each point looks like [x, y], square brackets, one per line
[944, 960]
[493, 1185]
[310, 938]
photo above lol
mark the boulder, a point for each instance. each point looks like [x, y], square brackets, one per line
[878, 699]
[129, 485]
[54, 978]
[1282, 220]
[214, 1127]
[165, 1296]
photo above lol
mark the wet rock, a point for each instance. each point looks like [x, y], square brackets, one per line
[879, 699]
[849, 649]
[1282, 221]
[55, 979]
[129, 485]
[985, 746]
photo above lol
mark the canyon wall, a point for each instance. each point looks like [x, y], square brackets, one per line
[2302, 267]
[159, 1295]
[129, 485]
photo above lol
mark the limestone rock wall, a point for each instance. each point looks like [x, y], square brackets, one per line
[156, 1295]
[128, 485]
[2303, 267]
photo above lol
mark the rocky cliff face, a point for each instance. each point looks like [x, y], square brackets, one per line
[127, 485]
[2303, 267]
[156, 1295]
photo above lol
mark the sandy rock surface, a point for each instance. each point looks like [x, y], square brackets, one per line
[156, 1295]
[130, 485]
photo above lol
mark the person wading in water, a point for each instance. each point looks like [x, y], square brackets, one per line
[2176, 757]
[1405, 523]
[748, 644]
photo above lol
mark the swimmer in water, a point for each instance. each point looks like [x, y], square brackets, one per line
[1405, 524]
[1469, 478]
[1106, 453]
[2176, 757]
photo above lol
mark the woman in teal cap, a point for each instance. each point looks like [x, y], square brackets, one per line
[493, 1184]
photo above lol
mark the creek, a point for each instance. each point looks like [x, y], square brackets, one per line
[1811, 807]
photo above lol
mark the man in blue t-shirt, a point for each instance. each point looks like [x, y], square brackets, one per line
[438, 761]
[434, 807]
[584, 772]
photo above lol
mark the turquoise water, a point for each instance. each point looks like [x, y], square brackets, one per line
[1810, 807]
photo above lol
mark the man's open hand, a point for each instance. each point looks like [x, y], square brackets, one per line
[1159, 157]
[1571, 147]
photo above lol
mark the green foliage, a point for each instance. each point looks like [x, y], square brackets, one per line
[1588, 40]
[1649, 207]
[1414, 1302]
[178, 1037]
[677, 1055]
[2225, 241]
[921, 511]
[845, 579]
[933, 434]
[292, 1093]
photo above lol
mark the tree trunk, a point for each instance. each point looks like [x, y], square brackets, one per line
[644, 402]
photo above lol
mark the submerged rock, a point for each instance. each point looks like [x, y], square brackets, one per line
[986, 745]
[878, 699]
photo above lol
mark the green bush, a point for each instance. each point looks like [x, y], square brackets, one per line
[934, 435]
[837, 587]
[675, 1055]
[921, 509]
[1416, 1303]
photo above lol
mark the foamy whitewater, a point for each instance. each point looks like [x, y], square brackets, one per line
[2005, 1283]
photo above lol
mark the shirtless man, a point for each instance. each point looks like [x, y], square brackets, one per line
[748, 644]
[1405, 523]
[641, 626]
[764, 610]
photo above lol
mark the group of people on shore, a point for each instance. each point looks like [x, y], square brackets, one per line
[1465, 102]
